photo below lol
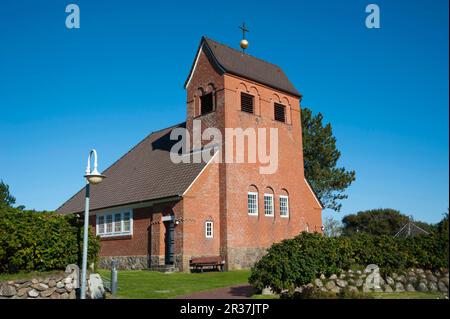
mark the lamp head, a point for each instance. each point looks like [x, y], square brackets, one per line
[95, 177]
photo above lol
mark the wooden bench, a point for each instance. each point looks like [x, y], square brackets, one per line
[213, 262]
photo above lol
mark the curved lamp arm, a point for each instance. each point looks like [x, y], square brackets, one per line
[93, 177]
[88, 167]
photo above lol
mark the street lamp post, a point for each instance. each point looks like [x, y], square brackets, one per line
[92, 177]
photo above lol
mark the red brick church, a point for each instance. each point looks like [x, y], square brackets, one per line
[150, 212]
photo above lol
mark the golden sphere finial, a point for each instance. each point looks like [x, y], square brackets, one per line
[244, 44]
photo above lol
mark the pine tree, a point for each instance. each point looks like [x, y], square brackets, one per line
[6, 199]
[320, 159]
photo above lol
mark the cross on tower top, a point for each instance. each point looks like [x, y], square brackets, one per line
[244, 42]
[244, 29]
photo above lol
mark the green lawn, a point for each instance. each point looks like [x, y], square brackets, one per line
[257, 296]
[144, 284]
[382, 295]
[408, 295]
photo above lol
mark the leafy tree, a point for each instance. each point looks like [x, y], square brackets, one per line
[443, 233]
[320, 160]
[332, 227]
[383, 221]
[6, 199]
[442, 226]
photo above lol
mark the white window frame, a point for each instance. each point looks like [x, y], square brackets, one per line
[273, 208]
[98, 225]
[209, 223]
[113, 233]
[256, 202]
[131, 221]
[287, 206]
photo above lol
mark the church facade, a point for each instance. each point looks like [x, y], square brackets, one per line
[151, 212]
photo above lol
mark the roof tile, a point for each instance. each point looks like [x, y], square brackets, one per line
[145, 173]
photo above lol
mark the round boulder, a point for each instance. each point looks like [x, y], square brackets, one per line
[390, 281]
[7, 290]
[341, 283]
[410, 288]
[388, 288]
[432, 286]
[399, 287]
[442, 287]
[318, 283]
[422, 287]
[359, 282]
[352, 289]
[330, 285]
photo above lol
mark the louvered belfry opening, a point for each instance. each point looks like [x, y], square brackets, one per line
[280, 112]
[247, 103]
[206, 103]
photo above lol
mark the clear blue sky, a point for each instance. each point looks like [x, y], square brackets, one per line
[120, 76]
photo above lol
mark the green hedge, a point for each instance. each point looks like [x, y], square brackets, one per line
[34, 241]
[296, 262]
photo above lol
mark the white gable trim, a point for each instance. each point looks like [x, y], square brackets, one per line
[203, 169]
[315, 197]
[196, 62]
[195, 66]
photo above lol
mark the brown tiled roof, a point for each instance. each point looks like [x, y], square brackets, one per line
[145, 173]
[229, 60]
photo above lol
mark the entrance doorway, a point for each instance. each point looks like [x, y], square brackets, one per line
[169, 241]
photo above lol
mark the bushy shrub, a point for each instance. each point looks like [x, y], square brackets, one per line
[32, 241]
[296, 262]
[388, 252]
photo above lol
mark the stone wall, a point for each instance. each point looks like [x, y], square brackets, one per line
[63, 285]
[125, 262]
[59, 286]
[244, 258]
[363, 281]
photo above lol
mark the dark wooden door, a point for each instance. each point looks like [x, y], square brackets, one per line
[169, 242]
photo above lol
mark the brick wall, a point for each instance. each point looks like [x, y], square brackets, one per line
[201, 204]
[147, 241]
[219, 194]
[243, 238]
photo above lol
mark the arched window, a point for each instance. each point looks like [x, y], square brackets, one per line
[252, 200]
[207, 99]
[268, 202]
[284, 204]
[206, 103]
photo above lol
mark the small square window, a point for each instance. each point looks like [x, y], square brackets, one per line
[206, 102]
[280, 112]
[247, 103]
